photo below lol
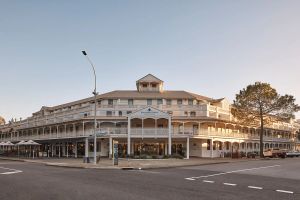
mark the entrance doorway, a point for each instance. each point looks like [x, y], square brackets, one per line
[146, 149]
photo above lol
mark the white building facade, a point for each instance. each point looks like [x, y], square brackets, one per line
[148, 122]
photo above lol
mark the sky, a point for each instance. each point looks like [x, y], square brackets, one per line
[213, 48]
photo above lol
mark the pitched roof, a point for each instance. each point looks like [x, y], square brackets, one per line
[147, 77]
[133, 94]
[166, 94]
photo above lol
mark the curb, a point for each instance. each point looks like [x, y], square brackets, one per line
[124, 167]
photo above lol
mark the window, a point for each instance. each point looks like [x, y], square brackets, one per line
[153, 85]
[193, 114]
[109, 113]
[99, 102]
[120, 113]
[149, 102]
[169, 102]
[144, 85]
[190, 101]
[170, 112]
[179, 101]
[129, 112]
[159, 101]
[110, 102]
[130, 102]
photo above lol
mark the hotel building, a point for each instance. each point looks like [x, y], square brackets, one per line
[146, 122]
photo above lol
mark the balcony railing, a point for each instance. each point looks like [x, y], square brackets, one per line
[146, 132]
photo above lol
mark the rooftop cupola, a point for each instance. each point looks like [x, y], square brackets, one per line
[149, 83]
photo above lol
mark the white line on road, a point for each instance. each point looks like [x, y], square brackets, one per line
[206, 181]
[11, 171]
[285, 191]
[254, 187]
[235, 171]
[230, 184]
[190, 179]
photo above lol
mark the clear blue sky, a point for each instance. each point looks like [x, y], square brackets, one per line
[213, 48]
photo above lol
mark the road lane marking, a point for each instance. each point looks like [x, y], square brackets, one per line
[285, 191]
[235, 171]
[254, 187]
[230, 184]
[11, 171]
[206, 181]
[190, 179]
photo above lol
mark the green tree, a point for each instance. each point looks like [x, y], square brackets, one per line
[260, 104]
[2, 120]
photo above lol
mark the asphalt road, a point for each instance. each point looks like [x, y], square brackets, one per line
[266, 179]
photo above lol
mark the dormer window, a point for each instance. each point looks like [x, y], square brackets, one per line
[149, 83]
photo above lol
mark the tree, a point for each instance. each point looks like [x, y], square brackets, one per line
[260, 104]
[2, 120]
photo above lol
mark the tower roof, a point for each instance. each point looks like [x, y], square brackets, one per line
[149, 78]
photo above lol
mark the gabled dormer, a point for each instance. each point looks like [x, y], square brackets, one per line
[149, 83]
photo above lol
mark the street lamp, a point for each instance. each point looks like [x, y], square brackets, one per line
[95, 108]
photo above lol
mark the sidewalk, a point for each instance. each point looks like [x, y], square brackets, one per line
[106, 163]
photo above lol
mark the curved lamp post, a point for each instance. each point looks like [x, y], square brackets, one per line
[95, 108]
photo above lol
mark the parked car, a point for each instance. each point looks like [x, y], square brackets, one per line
[293, 154]
[275, 153]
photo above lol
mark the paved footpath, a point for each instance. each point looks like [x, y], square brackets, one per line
[131, 163]
[276, 179]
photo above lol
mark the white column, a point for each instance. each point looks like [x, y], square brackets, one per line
[110, 147]
[74, 130]
[187, 148]
[211, 147]
[155, 125]
[183, 128]
[166, 149]
[83, 128]
[199, 127]
[223, 147]
[66, 130]
[142, 128]
[128, 135]
[76, 149]
[52, 149]
[59, 150]
[86, 154]
[56, 131]
[67, 144]
[169, 138]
